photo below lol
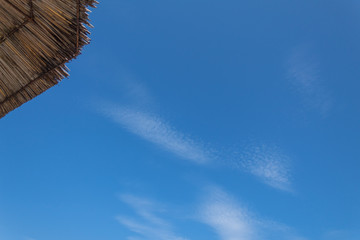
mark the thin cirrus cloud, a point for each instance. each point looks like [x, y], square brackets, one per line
[147, 223]
[155, 130]
[304, 75]
[222, 213]
[269, 165]
[230, 220]
[341, 234]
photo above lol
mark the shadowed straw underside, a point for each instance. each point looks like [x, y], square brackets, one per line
[37, 38]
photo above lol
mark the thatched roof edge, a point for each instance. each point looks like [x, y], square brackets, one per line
[54, 74]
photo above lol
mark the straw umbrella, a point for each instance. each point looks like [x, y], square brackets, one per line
[37, 39]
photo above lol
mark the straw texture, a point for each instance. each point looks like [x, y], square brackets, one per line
[37, 38]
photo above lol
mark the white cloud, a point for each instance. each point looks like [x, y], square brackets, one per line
[341, 234]
[147, 224]
[227, 217]
[229, 220]
[136, 93]
[269, 165]
[232, 221]
[149, 232]
[155, 130]
[304, 75]
[144, 208]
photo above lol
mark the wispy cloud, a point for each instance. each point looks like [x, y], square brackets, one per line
[144, 208]
[341, 234]
[227, 218]
[136, 93]
[155, 130]
[232, 221]
[149, 232]
[147, 223]
[304, 75]
[268, 164]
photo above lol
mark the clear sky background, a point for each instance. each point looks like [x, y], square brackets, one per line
[194, 120]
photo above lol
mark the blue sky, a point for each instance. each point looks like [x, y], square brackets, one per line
[184, 120]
